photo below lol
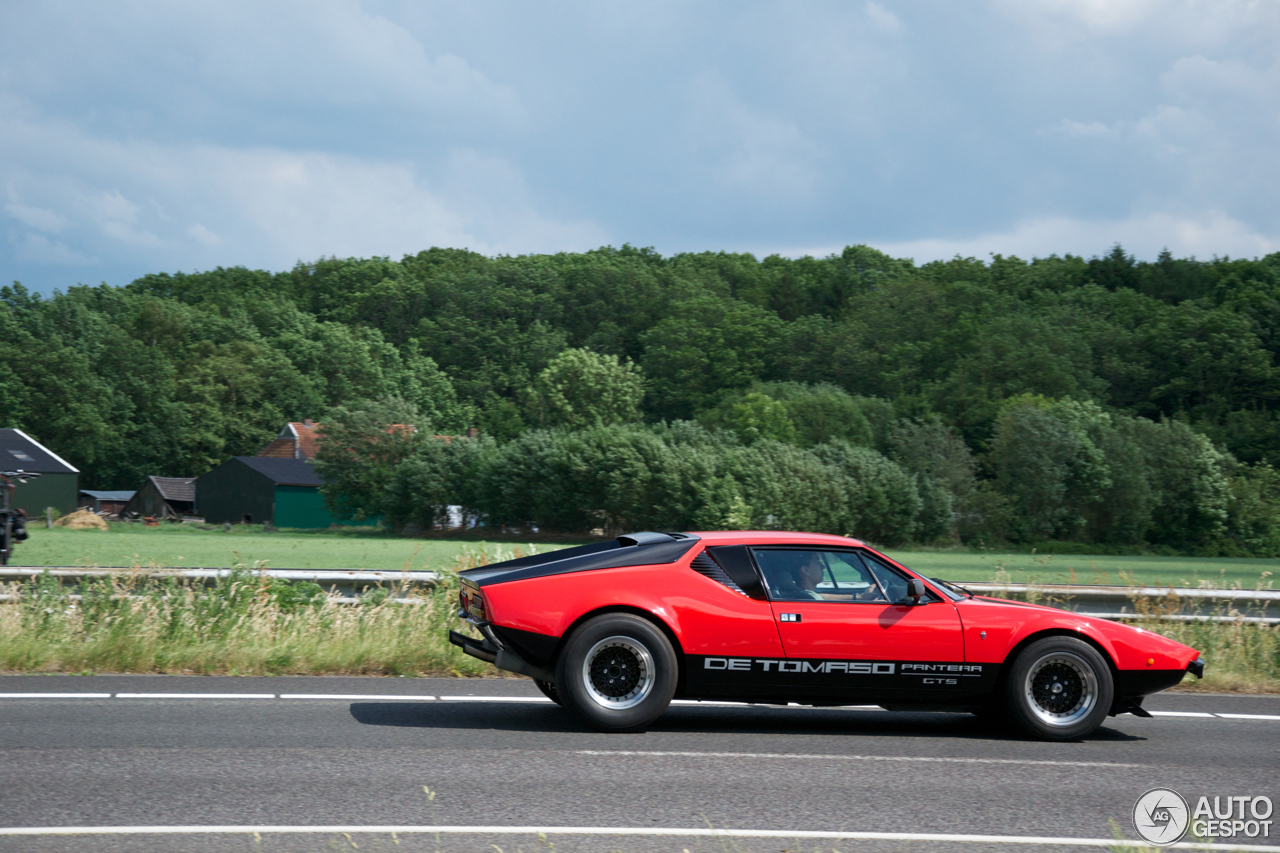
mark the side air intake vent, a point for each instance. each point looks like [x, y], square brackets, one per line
[707, 567]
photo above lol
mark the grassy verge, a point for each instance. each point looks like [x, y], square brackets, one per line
[245, 625]
[252, 626]
[1242, 657]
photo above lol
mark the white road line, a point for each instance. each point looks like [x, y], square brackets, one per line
[1180, 714]
[621, 831]
[834, 757]
[195, 695]
[359, 696]
[55, 695]
[1249, 716]
[535, 699]
[793, 706]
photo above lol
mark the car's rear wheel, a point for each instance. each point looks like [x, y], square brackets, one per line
[1059, 688]
[549, 690]
[617, 673]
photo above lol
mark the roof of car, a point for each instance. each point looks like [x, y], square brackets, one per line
[773, 537]
[638, 549]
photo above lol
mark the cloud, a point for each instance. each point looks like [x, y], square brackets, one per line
[744, 149]
[151, 137]
[271, 207]
[36, 218]
[883, 19]
[1204, 236]
[39, 249]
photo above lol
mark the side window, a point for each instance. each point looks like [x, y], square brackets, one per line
[804, 574]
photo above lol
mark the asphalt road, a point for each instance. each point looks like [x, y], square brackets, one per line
[362, 761]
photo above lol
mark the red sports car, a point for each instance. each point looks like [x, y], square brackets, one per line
[614, 631]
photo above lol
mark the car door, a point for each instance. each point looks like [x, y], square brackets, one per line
[857, 611]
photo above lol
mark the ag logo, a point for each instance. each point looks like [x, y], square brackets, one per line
[1161, 816]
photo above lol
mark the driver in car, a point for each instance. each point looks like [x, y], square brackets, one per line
[801, 582]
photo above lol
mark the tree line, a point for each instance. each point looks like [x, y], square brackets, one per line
[1105, 400]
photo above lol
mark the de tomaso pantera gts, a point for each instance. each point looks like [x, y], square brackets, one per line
[614, 631]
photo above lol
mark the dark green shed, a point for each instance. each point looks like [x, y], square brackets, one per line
[58, 485]
[259, 489]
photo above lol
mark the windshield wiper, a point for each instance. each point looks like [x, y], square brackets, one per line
[955, 587]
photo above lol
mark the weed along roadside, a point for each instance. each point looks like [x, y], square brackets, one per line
[242, 624]
[249, 624]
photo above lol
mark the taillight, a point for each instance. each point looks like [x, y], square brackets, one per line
[477, 608]
[472, 603]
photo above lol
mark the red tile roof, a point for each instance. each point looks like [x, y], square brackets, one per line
[301, 440]
[298, 440]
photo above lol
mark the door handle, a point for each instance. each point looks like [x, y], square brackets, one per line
[788, 617]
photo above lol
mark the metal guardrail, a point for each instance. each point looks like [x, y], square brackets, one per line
[344, 582]
[1106, 602]
[1173, 603]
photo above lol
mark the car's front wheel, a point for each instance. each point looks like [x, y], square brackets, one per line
[617, 673]
[1059, 688]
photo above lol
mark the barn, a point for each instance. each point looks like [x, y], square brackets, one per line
[109, 503]
[283, 492]
[163, 497]
[58, 484]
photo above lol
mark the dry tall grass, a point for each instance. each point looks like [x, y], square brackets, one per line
[1242, 657]
[244, 625]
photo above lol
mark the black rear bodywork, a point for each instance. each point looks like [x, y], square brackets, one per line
[633, 549]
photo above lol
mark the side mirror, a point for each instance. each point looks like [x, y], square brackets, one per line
[915, 590]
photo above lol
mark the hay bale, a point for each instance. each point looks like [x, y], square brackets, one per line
[82, 519]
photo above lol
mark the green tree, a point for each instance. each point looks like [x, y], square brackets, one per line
[882, 501]
[1049, 465]
[580, 388]
[752, 416]
[790, 489]
[824, 412]
[436, 476]
[706, 346]
[360, 448]
[1253, 522]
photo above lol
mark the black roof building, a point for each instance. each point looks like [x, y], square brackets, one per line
[58, 483]
[265, 490]
[163, 497]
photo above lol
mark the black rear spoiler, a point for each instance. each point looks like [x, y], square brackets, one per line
[632, 549]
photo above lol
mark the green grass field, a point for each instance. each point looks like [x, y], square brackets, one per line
[962, 566]
[187, 546]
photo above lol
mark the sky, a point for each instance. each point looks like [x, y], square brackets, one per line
[140, 137]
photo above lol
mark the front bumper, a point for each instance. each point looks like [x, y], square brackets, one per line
[1196, 667]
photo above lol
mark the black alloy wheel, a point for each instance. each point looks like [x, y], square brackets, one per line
[1059, 688]
[617, 673]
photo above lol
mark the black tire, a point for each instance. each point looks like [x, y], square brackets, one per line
[617, 673]
[549, 690]
[1059, 688]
